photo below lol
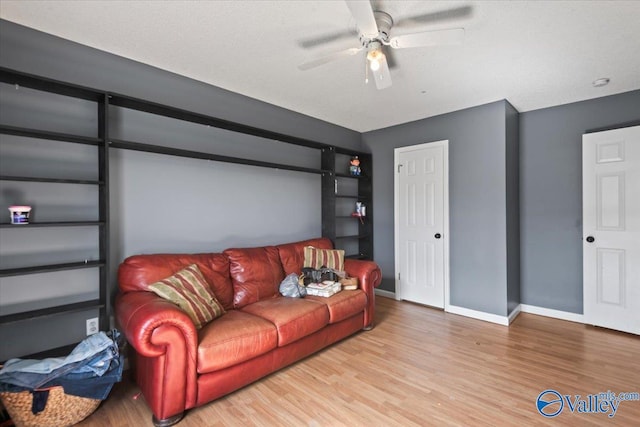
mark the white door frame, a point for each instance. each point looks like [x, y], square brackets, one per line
[396, 208]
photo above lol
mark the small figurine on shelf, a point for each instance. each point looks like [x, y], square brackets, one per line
[354, 168]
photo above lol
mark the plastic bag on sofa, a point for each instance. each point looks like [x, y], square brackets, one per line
[290, 287]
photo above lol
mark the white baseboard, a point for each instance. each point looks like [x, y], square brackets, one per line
[514, 313]
[501, 320]
[386, 294]
[548, 312]
[480, 315]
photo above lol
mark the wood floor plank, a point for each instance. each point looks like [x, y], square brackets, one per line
[422, 367]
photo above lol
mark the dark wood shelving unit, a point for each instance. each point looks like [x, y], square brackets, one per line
[190, 116]
[331, 193]
[50, 180]
[46, 84]
[52, 311]
[52, 224]
[100, 98]
[51, 267]
[346, 175]
[104, 100]
[353, 236]
[52, 136]
[136, 146]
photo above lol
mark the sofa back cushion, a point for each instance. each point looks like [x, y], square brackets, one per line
[137, 272]
[292, 254]
[256, 274]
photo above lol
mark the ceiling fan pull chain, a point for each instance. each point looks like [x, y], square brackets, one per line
[366, 70]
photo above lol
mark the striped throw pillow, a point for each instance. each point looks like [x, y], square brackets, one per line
[189, 290]
[330, 258]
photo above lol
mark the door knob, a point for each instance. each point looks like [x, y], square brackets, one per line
[590, 239]
[438, 235]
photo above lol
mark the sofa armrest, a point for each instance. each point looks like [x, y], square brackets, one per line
[369, 277]
[166, 342]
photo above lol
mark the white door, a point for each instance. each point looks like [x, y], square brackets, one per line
[611, 228]
[421, 223]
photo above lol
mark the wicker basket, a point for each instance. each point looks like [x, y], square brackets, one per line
[62, 409]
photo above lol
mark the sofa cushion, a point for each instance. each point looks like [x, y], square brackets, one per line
[292, 254]
[137, 272]
[189, 290]
[342, 305]
[294, 318]
[232, 339]
[330, 258]
[256, 274]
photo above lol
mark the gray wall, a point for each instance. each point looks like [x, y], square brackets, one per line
[149, 192]
[512, 164]
[551, 195]
[158, 203]
[32, 51]
[477, 200]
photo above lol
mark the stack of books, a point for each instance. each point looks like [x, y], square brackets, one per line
[324, 289]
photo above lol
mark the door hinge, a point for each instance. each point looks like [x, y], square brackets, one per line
[335, 186]
[398, 277]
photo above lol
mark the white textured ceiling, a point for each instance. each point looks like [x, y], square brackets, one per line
[533, 53]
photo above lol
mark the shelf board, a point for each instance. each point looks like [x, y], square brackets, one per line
[349, 152]
[52, 224]
[352, 196]
[189, 116]
[50, 180]
[353, 236]
[50, 268]
[356, 256]
[54, 136]
[51, 311]
[346, 175]
[49, 85]
[136, 146]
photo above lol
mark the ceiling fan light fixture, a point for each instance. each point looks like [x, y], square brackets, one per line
[375, 55]
[374, 33]
[374, 64]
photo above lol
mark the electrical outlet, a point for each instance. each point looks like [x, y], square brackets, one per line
[92, 326]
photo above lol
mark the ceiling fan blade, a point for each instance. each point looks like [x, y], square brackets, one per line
[428, 38]
[382, 76]
[327, 38]
[329, 58]
[363, 15]
[391, 59]
[431, 17]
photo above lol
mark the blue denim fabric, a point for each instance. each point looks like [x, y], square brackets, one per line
[80, 384]
[97, 354]
[87, 348]
[99, 363]
[31, 381]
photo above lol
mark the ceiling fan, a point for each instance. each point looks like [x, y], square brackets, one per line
[374, 32]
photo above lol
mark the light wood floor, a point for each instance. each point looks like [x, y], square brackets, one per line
[420, 367]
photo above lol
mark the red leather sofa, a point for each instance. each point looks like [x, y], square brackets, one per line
[178, 367]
